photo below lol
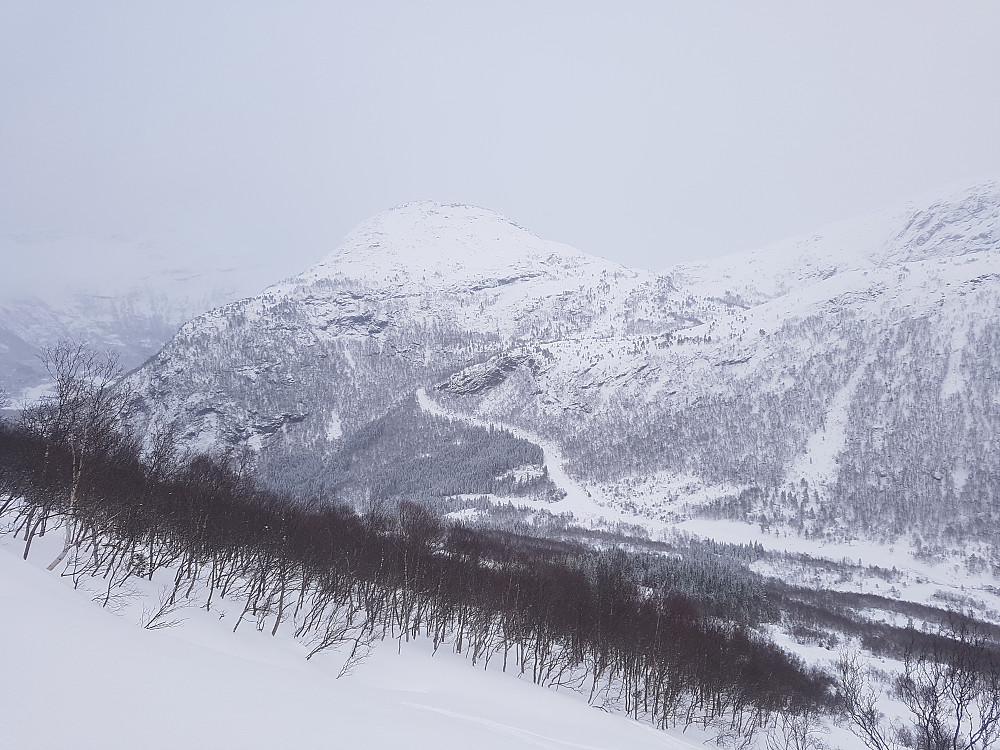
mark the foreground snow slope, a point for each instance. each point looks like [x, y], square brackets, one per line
[76, 675]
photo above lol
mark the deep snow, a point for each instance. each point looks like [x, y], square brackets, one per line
[76, 675]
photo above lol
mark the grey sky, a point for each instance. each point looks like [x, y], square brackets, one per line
[649, 133]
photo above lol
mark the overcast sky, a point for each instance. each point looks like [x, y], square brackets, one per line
[649, 133]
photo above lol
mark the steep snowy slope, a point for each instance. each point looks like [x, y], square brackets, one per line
[839, 384]
[76, 675]
[961, 223]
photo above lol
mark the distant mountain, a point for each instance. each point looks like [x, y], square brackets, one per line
[123, 293]
[839, 384]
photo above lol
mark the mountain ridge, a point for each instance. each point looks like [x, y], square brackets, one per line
[700, 385]
[877, 239]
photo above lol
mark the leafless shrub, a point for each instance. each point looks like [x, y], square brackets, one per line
[161, 616]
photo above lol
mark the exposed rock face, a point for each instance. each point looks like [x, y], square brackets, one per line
[484, 376]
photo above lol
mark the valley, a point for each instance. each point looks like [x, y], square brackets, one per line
[800, 441]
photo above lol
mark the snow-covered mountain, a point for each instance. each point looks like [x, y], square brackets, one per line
[128, 294]
[835, 385]
[410, 298]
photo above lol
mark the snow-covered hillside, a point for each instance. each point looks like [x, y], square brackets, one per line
[829, 397]
[473, 269]
[411, 297]
[833, 386]
[78, 675]
[937, 228]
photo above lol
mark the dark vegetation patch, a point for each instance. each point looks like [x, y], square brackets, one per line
[410, 454]
[609, 623]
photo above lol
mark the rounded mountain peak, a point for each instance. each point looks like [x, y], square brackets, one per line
[442, 244]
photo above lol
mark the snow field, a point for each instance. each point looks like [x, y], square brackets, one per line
[76, 675]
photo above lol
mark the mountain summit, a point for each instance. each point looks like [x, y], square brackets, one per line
[457, 265]
[441, 245]
[956, 224]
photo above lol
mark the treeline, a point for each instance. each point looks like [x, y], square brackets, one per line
[826, 617]
[607, 623]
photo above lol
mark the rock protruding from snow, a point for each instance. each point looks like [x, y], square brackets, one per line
[482, 377]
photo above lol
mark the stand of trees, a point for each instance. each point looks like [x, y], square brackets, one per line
[664, 640]
[605, 623]
[950, 689]
[558, 613]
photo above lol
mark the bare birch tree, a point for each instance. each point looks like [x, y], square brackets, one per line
[87, 407]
